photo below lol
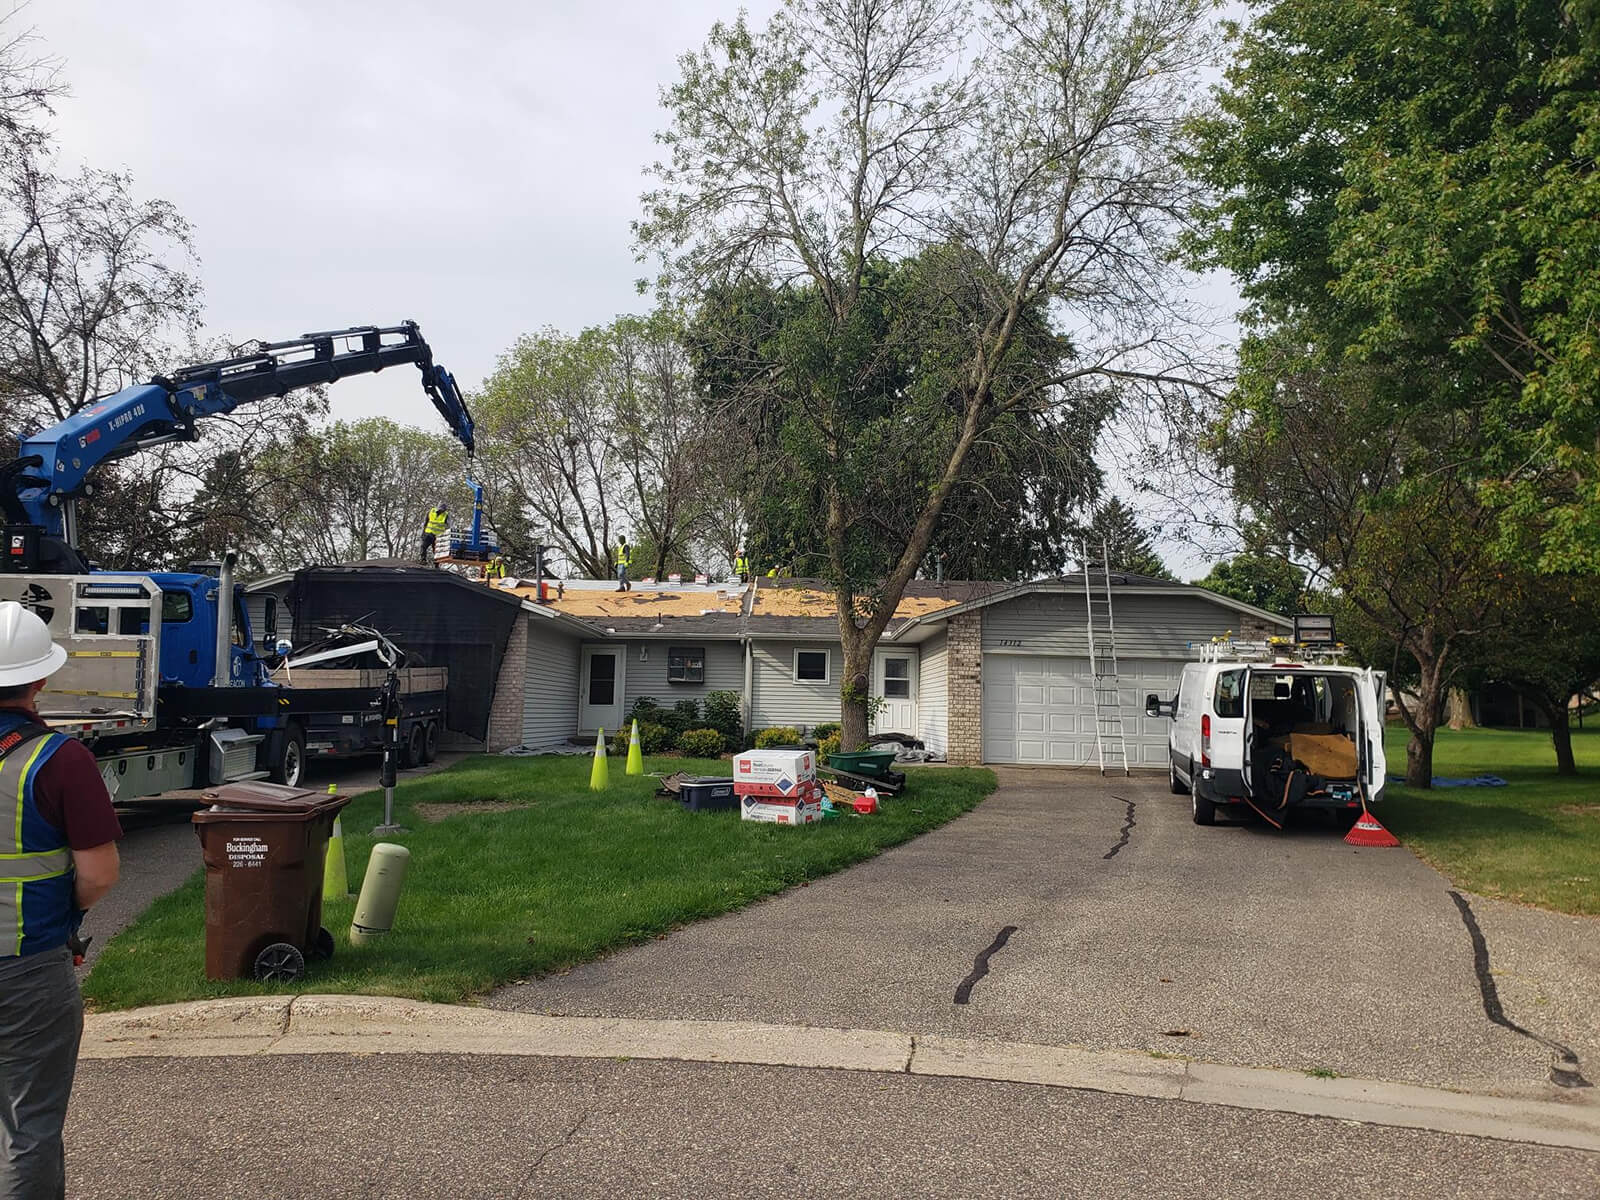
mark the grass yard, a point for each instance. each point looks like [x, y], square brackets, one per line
[532, 873]
[1536, 841]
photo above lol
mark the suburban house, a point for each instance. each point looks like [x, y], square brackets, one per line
[980, 671]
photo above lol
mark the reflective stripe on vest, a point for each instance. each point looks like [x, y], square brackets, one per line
[436, 521]
[35, 877]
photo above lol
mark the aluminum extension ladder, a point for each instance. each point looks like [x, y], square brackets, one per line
[1102, 626]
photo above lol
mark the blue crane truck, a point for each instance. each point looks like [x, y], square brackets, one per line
[164, 680]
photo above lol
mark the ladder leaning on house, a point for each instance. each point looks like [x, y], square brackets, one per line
[1102, 630]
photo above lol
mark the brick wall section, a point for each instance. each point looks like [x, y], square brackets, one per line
[965, 685]
[505, 714]
[1254, 629]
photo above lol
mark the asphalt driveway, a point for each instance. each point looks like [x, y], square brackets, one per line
[1131, 928]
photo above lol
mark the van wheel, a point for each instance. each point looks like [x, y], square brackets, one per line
[1205, 812]
[1174, 784]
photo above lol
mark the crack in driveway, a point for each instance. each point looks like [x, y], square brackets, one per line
[1127, 827]
[1565, 1070]
[980, 965]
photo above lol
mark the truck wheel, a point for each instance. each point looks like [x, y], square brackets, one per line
[1205, 812]
[416, 743]
[1174, 784]
[290, 764]
[430, 742]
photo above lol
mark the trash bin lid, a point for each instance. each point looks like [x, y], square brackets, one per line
[271, 798]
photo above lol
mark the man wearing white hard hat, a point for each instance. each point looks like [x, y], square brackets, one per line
[58, 855]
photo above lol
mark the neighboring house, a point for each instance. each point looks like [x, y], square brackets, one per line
[980, 671]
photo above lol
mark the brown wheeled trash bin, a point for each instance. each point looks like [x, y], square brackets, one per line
[264, 846]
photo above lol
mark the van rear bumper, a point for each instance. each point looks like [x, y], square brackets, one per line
[1223, 786]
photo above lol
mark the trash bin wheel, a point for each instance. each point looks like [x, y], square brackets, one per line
[430, 742]
[322, 948]
[280, 963]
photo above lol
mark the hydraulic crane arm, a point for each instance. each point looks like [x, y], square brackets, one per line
[39, 488]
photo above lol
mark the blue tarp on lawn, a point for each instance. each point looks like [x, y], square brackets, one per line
[1448, 781]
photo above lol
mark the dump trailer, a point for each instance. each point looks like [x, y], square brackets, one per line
[344, 710]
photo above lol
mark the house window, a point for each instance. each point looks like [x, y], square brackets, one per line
[897, 679]
[811, 666]
[686, 664]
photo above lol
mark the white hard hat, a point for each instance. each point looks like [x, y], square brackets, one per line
[26, 651]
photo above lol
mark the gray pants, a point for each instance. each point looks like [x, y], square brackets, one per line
[41, 1022]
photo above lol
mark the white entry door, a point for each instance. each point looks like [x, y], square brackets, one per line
[600, 688]
[895, 679]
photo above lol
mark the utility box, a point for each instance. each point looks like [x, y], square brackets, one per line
[264, 846]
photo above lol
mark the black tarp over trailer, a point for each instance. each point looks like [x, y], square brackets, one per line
[434, 616]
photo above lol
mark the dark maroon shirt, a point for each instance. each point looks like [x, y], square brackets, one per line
[69, 793]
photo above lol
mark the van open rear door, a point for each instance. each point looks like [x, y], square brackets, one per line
[1372, 698]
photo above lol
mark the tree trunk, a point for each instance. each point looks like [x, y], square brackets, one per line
[1558, 714]
[854, 684]
[1425, 720]
[1458, 710]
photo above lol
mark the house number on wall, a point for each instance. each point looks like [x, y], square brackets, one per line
[1010, 641]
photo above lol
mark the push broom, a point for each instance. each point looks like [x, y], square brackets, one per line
[1367, 831]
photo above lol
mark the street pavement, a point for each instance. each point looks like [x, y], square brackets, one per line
[329, 1126]
[1235, 944]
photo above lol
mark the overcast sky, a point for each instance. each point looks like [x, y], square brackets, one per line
[471, 165]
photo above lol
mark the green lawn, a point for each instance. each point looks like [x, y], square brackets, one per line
[1536, 841]
[496, 896]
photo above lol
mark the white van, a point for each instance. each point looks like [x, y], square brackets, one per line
[1255, 725]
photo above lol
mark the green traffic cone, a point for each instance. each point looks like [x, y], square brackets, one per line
[599, 774]
[635, 755]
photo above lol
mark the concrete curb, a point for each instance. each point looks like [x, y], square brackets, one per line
[384, 1025]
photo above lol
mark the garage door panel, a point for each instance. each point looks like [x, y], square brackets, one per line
[1041, 710]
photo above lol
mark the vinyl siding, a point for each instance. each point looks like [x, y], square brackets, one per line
[933, 701]
[550, 686]
[256, 605]
[724, 671]
[778, 700]
[1147, 626]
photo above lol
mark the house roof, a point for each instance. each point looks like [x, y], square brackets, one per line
[1124, 582]
[671, 611]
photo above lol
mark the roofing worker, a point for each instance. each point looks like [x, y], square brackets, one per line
[624, 561]
[496, 570]
[438, 519]
[58, 855]
[741, 566]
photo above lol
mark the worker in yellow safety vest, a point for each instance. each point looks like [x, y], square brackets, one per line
[438, 520]
[496, 570]
[624, 561]
[741, 566]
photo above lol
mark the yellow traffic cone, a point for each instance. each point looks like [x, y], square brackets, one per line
[635, 755]
[335, 880]
[599, 774]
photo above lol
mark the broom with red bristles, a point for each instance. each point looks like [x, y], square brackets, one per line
[1368, 831]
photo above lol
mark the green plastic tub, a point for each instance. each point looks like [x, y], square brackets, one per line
[873, 763]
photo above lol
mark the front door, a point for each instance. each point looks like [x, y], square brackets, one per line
[895, 679]
[600, 684]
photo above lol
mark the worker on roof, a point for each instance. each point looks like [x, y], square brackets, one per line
[496, 570]
[741, 566]
[624, 561]
[438, 520]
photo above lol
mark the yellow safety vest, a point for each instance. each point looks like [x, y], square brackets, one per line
[497, 569]
[741, 566]
[624, 559]
[437, 518]
[36, 900]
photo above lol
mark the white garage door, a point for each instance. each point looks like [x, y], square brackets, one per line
[1041, 710]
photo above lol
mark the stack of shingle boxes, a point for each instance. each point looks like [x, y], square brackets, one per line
[778, 786]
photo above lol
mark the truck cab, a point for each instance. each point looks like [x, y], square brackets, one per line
[189, 616]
